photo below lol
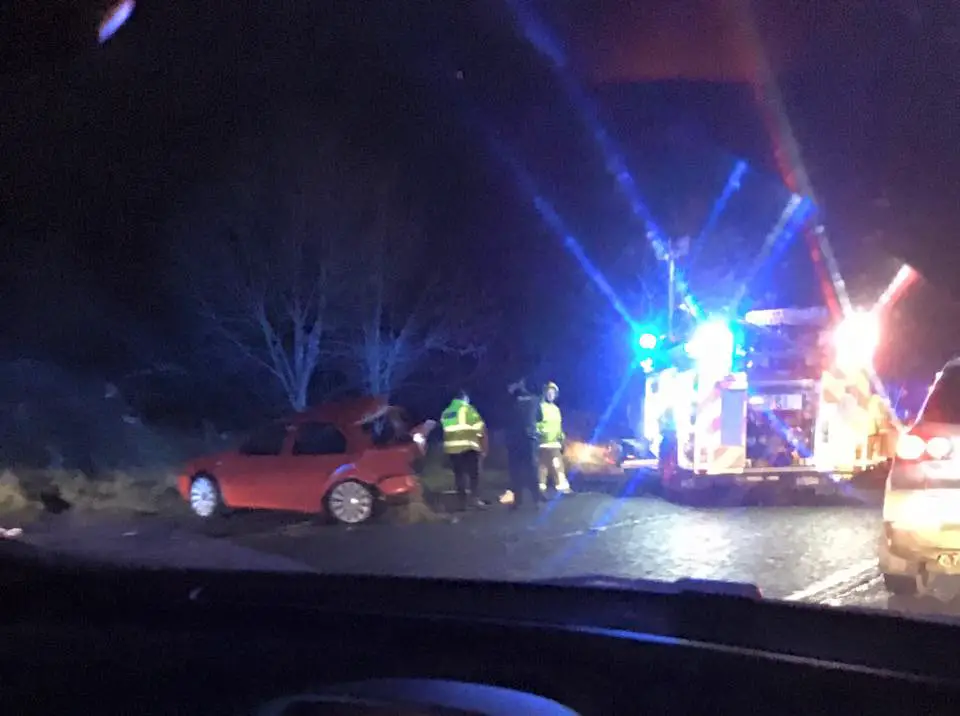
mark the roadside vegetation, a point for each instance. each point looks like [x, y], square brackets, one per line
[26, 491]
[291, 275]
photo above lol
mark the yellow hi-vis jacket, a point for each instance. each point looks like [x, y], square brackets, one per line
[463, 428]
[550, 426]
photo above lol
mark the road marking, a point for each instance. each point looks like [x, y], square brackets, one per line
[850, 576]
[596, 529]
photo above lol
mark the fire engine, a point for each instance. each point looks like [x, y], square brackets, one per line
[779, 396]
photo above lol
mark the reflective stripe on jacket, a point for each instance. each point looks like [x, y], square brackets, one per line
[463, 428]
[550, 426]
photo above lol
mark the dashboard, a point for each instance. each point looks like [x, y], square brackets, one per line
[150, 642]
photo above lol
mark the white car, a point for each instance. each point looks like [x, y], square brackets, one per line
[921, 501]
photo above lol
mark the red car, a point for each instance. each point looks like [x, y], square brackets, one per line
[339, 459]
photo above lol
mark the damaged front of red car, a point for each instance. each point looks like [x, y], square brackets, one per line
[395, 453]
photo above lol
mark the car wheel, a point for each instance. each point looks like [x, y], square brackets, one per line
[351, 502]
[204, 498]
[900, 584]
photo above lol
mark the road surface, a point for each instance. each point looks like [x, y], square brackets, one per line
[822, 554]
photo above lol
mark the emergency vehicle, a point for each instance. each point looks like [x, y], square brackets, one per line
[780, 396]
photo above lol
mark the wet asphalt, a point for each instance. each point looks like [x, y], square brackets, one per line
[821, 551]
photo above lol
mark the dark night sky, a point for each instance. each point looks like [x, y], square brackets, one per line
[99, 150]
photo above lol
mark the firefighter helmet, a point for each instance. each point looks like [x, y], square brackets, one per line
[551, 386]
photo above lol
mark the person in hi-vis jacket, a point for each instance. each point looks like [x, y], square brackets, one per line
[550, 431]
[465, 442]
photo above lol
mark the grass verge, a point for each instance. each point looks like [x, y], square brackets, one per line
[27, 491]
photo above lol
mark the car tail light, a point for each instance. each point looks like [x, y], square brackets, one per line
[912, 448]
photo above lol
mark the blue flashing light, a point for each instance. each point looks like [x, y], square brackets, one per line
[646, 347]
[647, 341]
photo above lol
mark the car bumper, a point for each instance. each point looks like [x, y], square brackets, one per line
[399, 488]
[910, 551]
[640, 463]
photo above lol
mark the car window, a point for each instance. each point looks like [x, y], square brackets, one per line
[943, 404]
[319, 439]
[266, 441]
[389, 429]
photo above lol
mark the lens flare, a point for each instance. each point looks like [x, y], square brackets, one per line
[114, 19]
[856, 339]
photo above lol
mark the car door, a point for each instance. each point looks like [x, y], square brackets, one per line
[255, 475]
[319, 449]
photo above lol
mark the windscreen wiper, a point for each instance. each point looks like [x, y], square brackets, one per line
[680, 586]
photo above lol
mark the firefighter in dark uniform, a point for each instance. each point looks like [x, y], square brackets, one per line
[523, 446]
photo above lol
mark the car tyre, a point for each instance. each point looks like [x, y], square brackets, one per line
[351, 502]
[900, 585]
[204, 498]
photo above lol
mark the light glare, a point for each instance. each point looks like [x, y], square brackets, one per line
[115, 17]
[856, 339]
[648, 341]
[712, 346]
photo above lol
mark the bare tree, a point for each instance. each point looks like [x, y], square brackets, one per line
[310, 266]
[270, 274]
[274, 307]
[404, 312]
